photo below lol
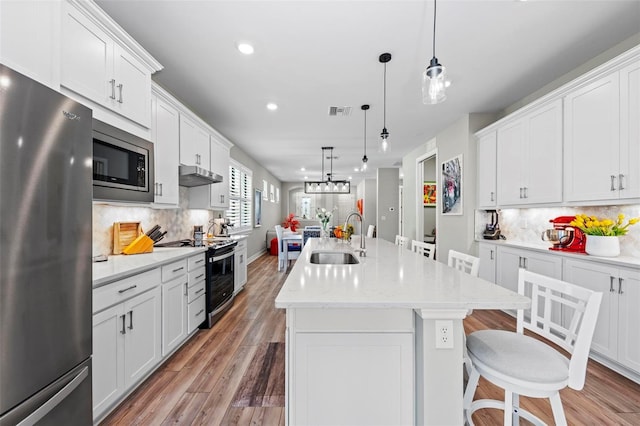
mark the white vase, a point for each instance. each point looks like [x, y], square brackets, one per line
[602, 246]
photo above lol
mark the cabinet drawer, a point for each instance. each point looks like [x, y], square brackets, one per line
[196, 291]
[196, 262]
[124, 289]
[351, 320]
[242, 244]
[196, 312]
[196, 276]
[173, 270]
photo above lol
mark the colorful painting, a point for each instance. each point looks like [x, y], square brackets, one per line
[429, 194]
[452, 186]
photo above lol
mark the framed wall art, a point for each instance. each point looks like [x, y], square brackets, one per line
[452, 186]
[257, 208]
[429, 194]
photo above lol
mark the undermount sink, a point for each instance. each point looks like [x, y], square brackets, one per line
[333, 258]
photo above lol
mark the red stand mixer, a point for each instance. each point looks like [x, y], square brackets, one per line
[565, 237]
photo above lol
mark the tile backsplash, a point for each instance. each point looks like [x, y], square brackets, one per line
[177, 222]
[527, 225]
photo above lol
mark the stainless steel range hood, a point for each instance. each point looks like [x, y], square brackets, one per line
[197, 176]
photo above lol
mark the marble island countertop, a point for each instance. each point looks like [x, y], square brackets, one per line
[122, 266]
[388, 277]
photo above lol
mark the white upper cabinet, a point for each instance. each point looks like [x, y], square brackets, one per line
[629, 176]
[592, 140]
[165, 135]
[102, 68]
[487, 170]
[194, 143]
[602, 138]
[529, 156]
[220, 164]
[29, 37]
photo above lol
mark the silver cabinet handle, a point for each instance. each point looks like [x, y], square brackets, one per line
[222, 198]
[178, 269]
[620, 280]
[131, 320]
[241, 258]
[120, 97]
[611, 289]
[520, 192]
[186, 288]
[124, 330]
[492, 196]
[124, 290]
[161, 190]
[613, 182]
[199, 261]
[56, 399]
[526, 192]
[199, 276]
[200, 291]
[199, 312]
[113, 88]
[620, 184]
[490, 254]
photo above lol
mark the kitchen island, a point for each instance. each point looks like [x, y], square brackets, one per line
[361, 338]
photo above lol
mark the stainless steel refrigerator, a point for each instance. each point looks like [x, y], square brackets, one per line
[45, 255]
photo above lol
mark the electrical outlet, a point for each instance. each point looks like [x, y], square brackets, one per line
[444, 334]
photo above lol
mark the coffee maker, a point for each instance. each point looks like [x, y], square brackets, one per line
[565, 237]
[221, 227]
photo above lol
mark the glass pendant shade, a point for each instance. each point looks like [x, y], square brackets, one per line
[384, 141]
[434, 83]
[364, 163]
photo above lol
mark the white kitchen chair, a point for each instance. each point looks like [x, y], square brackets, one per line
[464, 262]
[293, 250]
[424, 249]
[371, 231]
[402, 241]
[523, 365]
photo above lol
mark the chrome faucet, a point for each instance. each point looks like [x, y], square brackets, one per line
[362, 250]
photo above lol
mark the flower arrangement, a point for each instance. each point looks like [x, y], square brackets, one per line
[290, 222]
[592, 225]
[324, 216]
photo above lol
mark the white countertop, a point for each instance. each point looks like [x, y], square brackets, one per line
[122, 266]
[389, 277]
[542, 247]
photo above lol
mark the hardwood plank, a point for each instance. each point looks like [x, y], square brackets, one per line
[177, 361]
[263, 383]
[186, 409]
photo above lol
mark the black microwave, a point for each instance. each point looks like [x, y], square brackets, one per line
[122, 165]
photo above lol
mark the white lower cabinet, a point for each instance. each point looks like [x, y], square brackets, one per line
[352, 367]
[616, 333]
[126, 346]
[488, 255]
[174, 313]
[196, 292]
[240, 260]
[510, 260]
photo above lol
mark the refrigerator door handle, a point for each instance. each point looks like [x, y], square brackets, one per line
[56, 399]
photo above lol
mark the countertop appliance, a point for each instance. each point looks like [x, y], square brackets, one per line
[122, 165]
[565, 237]
[220, 278]
[45, 255]
[492, 230]
[221, 227]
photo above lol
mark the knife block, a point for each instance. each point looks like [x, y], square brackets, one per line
[128, 236]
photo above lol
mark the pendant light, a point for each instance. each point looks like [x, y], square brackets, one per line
[364, 157]
[328, 186]
[434, 81]
[384, 135]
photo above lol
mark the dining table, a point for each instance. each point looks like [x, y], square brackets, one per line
[288, 238]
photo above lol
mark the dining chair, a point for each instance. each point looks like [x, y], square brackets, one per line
[371, 231]
[425, 249]
[523, 365]
[310, 233]
[293, 250]
[464, 262]
[402, 241]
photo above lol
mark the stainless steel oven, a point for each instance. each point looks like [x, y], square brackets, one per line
[122, 165]
[220, 281]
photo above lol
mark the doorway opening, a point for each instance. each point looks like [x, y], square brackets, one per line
[428, 192]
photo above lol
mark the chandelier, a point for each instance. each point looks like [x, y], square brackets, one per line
[328, 186]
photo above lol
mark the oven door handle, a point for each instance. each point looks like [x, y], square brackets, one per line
[221, 257]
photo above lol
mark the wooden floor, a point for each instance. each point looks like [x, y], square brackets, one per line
[233, 374]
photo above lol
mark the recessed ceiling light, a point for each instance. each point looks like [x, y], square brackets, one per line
[245, 48]
[302, 169]
[306, 177]
[355, 169]
[271, 106]
[350, 177]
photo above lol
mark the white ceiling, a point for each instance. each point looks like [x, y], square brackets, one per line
[310, 55]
